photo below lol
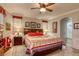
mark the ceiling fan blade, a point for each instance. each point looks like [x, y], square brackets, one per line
[49, 4]
[42, 5]
[50, 10]
[35, 8]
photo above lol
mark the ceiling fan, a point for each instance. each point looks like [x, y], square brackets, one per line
[44, 7]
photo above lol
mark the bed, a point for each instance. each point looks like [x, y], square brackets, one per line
[41, 44]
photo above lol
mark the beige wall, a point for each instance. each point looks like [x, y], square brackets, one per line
[8, 18]
[19, 24]
[75, 32]
[27, 19]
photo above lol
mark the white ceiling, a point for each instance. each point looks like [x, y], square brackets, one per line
[24, 9]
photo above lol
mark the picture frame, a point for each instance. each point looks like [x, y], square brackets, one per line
[33, 25]
[27, 24]
[38, 25]
[54, 27]
[76, 25]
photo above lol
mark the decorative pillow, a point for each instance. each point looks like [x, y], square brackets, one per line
[35, 34]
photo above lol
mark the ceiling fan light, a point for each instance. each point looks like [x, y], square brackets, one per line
[42, 9]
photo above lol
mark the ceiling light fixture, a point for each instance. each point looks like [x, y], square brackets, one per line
[43, 9]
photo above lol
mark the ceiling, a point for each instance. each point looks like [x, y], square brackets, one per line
[24, 9]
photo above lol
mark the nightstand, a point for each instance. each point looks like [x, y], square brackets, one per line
[17, 40]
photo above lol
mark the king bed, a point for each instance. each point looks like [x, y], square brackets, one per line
[37, 44]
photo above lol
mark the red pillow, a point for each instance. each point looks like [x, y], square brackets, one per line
[35, 34]
[39, 34]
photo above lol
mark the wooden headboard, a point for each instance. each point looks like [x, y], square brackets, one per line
[32, 30]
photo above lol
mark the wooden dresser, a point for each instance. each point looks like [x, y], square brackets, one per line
[17, 40]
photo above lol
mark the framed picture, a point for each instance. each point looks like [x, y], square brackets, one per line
[27, 24]
[54, 27]
[76, 25]
[8, 26]
[33, 25]
[38, 25]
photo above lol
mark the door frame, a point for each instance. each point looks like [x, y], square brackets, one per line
[63, 23]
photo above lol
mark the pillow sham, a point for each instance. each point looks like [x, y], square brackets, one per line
[35, 34]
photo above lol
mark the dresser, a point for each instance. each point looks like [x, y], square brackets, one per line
[17, 40]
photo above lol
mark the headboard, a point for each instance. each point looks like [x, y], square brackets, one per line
[32, 30]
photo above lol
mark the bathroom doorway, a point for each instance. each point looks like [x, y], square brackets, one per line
[66, 30]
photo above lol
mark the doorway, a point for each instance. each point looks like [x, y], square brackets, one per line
[66, 30]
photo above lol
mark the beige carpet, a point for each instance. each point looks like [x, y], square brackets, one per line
[20, 51]
[16, 51]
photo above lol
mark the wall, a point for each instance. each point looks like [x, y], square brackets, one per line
[75, 34]
[8, 18]
[44, 25]
[63, 29]
[27, 19]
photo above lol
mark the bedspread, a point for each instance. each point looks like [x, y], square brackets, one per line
[41, 43]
